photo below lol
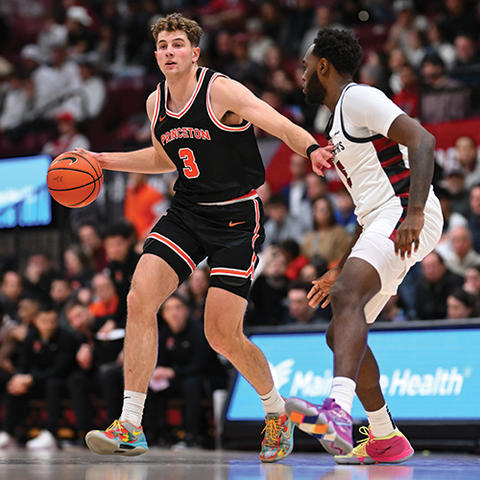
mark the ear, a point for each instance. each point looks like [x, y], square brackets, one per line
[323, 66]
[196, 54]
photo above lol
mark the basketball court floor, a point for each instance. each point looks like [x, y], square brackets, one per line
[157, 464]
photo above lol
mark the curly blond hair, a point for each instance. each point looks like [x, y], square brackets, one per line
[176, 21]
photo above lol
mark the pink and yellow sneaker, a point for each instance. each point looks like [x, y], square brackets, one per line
[278, 441]
[394, 448]
[120, 438]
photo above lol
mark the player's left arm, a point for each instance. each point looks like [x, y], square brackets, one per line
[421, 144]
[230, 95]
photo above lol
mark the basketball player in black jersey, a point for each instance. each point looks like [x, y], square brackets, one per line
[201, 127]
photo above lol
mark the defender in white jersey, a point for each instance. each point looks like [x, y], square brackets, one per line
[385, 160]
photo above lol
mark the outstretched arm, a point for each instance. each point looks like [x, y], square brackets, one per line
[146, 160]
[421, 145]
[229, 95]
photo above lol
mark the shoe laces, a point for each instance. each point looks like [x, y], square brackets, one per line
[360, 449]
[272, 431]
[116, 425]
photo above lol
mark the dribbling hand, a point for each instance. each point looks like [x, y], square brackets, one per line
[97, 156]
[321, 288]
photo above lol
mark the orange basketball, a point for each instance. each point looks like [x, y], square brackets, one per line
[74, 179]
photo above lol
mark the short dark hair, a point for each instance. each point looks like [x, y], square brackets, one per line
[299, 285]
[120, 229]
[340, 48]
[465, 297]
[277, 199]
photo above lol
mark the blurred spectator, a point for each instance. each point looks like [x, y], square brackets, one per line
[222, 55]
[299, 311]
[457, 17]
[466, 52]
[454, 183]
[396, 61]
[269, 291]
[78, 268]
[92, 91]
[316, 186]
[92, 243]
[472, 281]
[408, 98]
[80, 37]
[13, 334]
[11, 288]
[438, 44]
[391, 312]
[406, 21]
[16, 103]
[345, 211]
[295, 192]
[105, 304]
[462, 255]
[60, 293]
[122, 260]
[295, 261]
[313, 270]
[460, 305]
[98, 369]
[143, 204]
[242, 68]
[328, 239]
[196, 292]
[38, 274]
[280, 225]
[443, 98]
[258, 43]
[468, 158]
[69, 137]
[416, 47]
[46, 358]
[434, 287]
[50, 35]
[473, 217]
[323, 18]
[184, 363]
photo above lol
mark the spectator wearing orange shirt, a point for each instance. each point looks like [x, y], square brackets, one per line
[143, 204]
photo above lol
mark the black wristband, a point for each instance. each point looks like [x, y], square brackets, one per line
[312, 148]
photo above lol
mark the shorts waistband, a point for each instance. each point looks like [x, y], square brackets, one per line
[249, 196]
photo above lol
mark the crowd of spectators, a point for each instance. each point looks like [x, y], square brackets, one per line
[62, 325]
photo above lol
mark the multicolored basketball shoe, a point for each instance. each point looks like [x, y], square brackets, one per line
[328, 423]
[278, 441]
[120, 438]
[394, 448]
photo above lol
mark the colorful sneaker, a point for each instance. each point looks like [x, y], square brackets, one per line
[120, 437]
[278, 441]
[328, 423]
[394, 448]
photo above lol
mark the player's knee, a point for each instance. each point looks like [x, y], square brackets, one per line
[222, 341]
[140, 304]
[343, 298]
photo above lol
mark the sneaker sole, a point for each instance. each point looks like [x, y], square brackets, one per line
[317, 426]
[369, 460]
[99, 444]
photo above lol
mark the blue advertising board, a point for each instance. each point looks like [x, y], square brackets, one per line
[24, 197]
[425, 374]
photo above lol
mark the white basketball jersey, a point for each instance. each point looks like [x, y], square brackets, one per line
[373, 168]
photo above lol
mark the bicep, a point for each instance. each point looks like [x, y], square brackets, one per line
[233, 96]
[407, 131]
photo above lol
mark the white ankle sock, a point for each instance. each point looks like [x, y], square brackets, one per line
[133, 403]
[381, 423]
[343, 390]
[273, 402]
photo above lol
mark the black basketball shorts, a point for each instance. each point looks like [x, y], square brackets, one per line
[229, 235]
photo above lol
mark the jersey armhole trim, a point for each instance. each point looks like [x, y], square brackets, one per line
[156, 111]
[347, 135]
[211, 114]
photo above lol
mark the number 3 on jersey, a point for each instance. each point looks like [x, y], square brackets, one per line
[191, 168]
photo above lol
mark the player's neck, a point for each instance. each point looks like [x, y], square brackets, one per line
[334, 93]
[181, 88]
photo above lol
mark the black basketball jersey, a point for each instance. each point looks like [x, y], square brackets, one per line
[215, 162]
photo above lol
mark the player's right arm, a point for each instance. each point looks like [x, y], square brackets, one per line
[146, 160]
